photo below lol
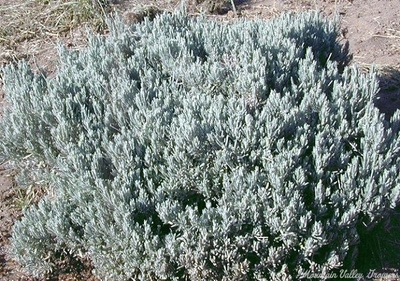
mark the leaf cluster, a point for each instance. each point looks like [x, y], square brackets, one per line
[183, 148]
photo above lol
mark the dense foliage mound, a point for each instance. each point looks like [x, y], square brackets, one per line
[186, 149]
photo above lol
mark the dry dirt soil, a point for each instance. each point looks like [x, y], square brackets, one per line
[372, 28]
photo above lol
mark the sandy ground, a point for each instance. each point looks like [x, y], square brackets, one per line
[372, 28]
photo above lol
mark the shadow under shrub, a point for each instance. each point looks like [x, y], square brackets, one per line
[183, 148]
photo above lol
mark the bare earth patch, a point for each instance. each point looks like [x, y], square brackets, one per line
[372, 28]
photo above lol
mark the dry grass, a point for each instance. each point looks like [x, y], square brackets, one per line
[389, 76]
[43, 19]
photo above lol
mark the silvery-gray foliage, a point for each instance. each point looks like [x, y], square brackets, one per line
[187, 149]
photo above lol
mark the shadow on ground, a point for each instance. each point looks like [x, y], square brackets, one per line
[388, 99]
[379, 249]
